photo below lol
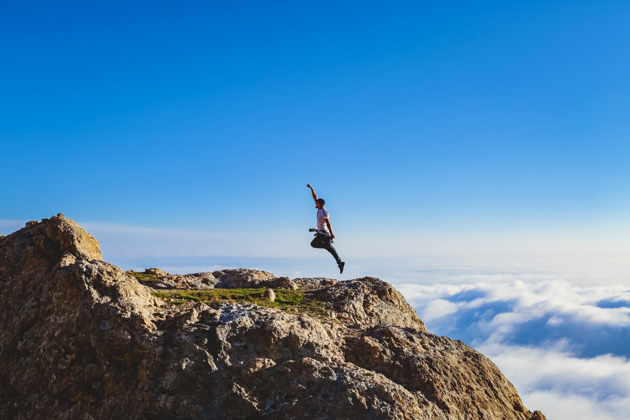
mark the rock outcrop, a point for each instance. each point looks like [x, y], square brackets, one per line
[160, 279]
[81, 339]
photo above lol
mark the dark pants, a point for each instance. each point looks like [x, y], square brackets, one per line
[323, 241]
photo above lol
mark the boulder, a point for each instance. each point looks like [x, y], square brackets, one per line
[369, 302]
[270, 295]
[280, 283]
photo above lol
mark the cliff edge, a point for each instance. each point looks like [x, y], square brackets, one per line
[81, 339]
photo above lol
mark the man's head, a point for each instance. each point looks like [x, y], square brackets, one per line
[319, 203]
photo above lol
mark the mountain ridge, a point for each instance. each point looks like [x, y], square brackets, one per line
[82, 338]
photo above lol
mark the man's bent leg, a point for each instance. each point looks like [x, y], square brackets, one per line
[330, 248]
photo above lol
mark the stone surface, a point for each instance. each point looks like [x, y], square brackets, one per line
[370, 302]
[245, 278]
[166, 280]
[270, 294]
[315, 283]
[240, 277]
[281, 283]
[82, 339]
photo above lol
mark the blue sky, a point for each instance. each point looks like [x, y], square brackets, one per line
[411, 116]
[484, 143]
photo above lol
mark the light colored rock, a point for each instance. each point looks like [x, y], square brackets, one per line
[167, 280]
[157, 272]
[370, 302]
[315, 283]
[241, 278]
[281, 283]
[196, 281]
[270, 294]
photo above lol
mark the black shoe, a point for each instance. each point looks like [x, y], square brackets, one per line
[341, 265]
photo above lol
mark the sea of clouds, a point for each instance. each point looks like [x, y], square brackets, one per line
[566, 348]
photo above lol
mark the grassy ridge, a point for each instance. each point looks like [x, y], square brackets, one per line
[293, 301]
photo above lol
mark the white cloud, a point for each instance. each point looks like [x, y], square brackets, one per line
[557, 370]
[437, 309]
[566, 387]
[557, 406]
[565, 348]
[557, 299]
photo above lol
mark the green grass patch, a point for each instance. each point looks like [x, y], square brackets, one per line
[143, 276]
[293, 301]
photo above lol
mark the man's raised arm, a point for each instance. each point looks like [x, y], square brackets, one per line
[312, 192]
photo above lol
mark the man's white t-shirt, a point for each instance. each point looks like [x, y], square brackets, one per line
[322, 215]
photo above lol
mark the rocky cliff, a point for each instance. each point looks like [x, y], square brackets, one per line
[82, 339]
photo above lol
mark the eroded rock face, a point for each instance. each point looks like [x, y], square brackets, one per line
[164, 280]
[82, 339]
[241, 277]
[316, 283]
[370, 302]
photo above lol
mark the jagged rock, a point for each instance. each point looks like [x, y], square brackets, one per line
[82, 339]
[164, 280]
[244, 278]
[241, 278]
[315, 283]
[196, 280]
[370, 302]
[280, 283]
[157, 272]
[460, 380]
[33, 250]
[228, 279]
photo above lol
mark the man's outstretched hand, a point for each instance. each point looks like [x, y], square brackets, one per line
[312, 192]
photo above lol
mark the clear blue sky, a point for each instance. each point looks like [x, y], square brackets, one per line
[406, 116]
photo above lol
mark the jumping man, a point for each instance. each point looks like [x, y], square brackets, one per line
[324, 236]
